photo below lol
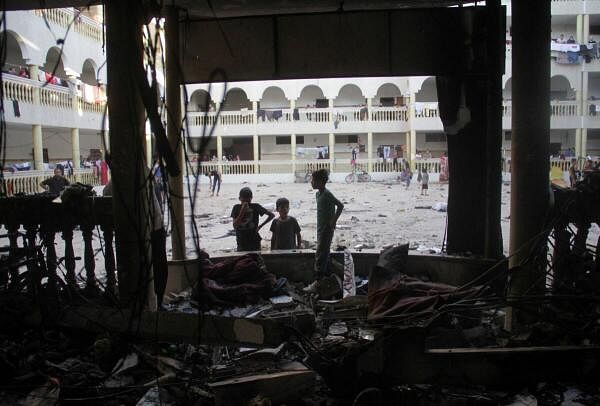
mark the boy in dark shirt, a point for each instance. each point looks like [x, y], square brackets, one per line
[55, 184]
[245, 221]
[285, 229]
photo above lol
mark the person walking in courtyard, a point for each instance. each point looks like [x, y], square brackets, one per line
[329, 210]
[214, 179]
[573, 172]
[245, 221]
[56, 184]
[424, 181]
[285, 229]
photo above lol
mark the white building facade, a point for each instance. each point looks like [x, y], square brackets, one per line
[278, 123]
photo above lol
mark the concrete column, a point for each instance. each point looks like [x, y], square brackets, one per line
[586, 28]
[407, 145]
[579, 38]
[174, 133]
[369, 106]
[148, 150]
[75, 150]
[370, 152]
[219, 147]
[583, 142]
[74, 97]
[530, 146]
[330, 110]
[33, 74]
[255, 151]
[38, 147]
[331, 151]
[578, 149]
[413, 147]
[293, 151]
[131, 198]
[255, 109]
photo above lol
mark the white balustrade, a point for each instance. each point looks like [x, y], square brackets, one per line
[19, 89]
[67, 17]
[236, 117]
[389, 114]
[54, 96]
[28, 182]
[564, 108]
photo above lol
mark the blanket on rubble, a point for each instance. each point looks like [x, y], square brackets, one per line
[235, 281]
[394, 294]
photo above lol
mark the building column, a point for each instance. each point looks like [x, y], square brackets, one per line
[75, 150]
[131, 196]
[331, 151]
[174, 131]
[578, 144]
[293, 151]
[148, 149]
[579, 33]
[586, 28]
[583, 142]
[530, 147]
[33, 74]
[369, 106]
[330, 110]
[370, 152]
[38, 147]
[413, 148]
[254, 109]
[255, 152]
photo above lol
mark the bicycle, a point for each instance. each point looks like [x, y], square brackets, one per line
[358, 175]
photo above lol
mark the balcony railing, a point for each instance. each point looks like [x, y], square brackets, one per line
[557, 108]
[23, 90]
[64, 17]
[28, 182]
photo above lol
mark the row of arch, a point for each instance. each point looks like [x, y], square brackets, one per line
[274, 97]
[17, 57]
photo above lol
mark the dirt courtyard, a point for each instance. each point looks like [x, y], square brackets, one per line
[376, 214]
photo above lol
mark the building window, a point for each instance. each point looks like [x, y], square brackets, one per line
[300, 139]
[507, 135]
[435, 137]
[346, 139]
[283, 140]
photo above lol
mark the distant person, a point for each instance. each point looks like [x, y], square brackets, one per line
[56, 184]
[214, 179]
[285, 229]
[573, 172]
[245, 221]
[571, 40]
[329, 210]
[408, 175]
[424, 182]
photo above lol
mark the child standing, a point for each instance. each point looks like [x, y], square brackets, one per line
[285, 229]
[328, 211]
[245, 221]
[424, 181]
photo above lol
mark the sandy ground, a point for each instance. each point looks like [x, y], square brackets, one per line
[375, 214]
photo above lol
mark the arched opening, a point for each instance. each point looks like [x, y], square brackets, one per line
[274, 98]
[560, 88]
[200, 100]
[428, 92]
[54, 64]
[88, 73]
[14, 63]
[309, 96]
[388, 94]
[235, 100]
[349, 96]
[507, 91]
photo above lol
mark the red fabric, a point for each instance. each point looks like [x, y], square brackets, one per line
[234, 282]
[103, 173]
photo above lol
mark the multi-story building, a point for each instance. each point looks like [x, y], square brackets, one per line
[53, 81]
[270, 126]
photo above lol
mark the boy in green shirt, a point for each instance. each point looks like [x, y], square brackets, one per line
[328, 211]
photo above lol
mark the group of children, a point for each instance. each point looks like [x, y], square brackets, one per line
[285, 229]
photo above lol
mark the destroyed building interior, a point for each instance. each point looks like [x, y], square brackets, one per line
[468, 326]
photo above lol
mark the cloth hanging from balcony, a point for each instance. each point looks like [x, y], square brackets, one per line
[89, 93]
[41, 76]
[564, 47]
[260, 113]
[16, 108]
[296, 115]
